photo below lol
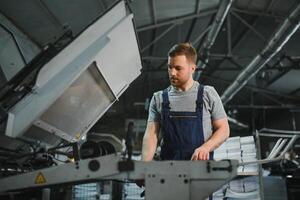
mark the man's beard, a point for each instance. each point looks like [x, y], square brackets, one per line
[176, 82]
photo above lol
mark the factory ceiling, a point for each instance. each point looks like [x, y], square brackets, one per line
[248, 49]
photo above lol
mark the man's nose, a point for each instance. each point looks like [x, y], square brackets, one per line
[172, 72]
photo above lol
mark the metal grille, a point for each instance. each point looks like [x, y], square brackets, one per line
[107, 190]
[88, 191]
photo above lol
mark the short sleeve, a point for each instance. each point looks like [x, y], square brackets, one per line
[217, 109]
[153, 115]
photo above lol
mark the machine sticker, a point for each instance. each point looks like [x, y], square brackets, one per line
[40, 179]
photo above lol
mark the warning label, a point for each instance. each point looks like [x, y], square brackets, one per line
[40, 179]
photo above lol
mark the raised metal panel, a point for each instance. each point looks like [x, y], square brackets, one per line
[76, 87]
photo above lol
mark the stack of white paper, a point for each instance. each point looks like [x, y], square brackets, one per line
[242, 149]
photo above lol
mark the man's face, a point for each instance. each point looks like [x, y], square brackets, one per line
[180, 70]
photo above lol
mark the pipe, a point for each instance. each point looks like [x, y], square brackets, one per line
[278, 149]
[237, 123]
[213, 33]
[289, 145]
[280, 38]
[275, 135]
[267, 160]
[279, 131]
[275, 147]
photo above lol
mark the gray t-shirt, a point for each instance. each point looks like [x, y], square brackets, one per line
[186, 101]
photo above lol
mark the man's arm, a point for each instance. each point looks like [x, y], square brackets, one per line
[150, 141]
[220, 134]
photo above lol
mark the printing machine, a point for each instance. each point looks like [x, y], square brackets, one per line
[60, 95]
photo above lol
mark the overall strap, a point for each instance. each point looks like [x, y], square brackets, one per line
[199, 101]
[166, 102]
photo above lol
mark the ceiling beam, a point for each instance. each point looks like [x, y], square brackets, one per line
[57, 23]
[228, 32]
[249, 26]
[259, 13]
[15, 42]
[281, 36]
[177, 20]
[271, 98]
[158, 38]
[154, 19]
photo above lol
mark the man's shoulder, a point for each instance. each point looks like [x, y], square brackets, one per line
[210, 93]
[159, 93]
[208, 88]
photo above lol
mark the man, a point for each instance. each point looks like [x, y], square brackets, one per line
[189, 116]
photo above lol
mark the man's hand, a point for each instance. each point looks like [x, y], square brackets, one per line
[221, 133]
[201, 153]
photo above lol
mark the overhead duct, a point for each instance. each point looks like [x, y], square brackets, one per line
[213, 33]
[284, 33]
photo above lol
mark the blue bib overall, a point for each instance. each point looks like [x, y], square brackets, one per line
[182, 131]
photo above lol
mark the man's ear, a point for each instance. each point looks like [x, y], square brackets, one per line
[194, 67]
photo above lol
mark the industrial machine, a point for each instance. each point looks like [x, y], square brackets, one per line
[50, 105]
[63, 98]
[189, 178]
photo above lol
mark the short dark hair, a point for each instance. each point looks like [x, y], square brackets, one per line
[186, 49]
